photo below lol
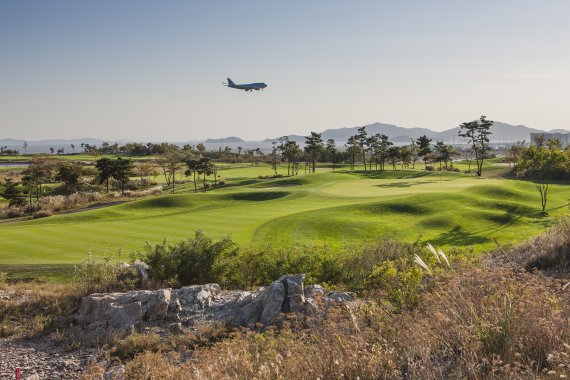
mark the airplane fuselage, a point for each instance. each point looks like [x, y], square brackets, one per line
[247, 86]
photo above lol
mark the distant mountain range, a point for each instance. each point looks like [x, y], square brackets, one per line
[55, 142]
[502, 132]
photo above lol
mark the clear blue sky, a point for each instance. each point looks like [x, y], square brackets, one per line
[149, 70]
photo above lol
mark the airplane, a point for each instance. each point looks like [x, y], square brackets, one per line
[247, 86]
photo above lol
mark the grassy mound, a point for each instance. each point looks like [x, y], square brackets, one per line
[338, 209]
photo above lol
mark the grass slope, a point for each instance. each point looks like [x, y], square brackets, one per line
[335, 208]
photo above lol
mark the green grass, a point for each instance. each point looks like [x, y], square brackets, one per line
[339, 209]
[46, 272]
[69, 157]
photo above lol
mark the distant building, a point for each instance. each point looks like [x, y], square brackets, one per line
[563, 137]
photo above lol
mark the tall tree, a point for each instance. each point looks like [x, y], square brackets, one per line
[69, 174]
[291, 152]
[383, 149]
[13, 193]
[282, 148]
[477, 131]
[444, 154]
[332, 152]
[274, 157]
[373, 144]
[352, 150]
[170, 162]
[405, 156]
[362, 138]
[424, 148]
[313, 147]
[106, 168]
[123, 169]
[541, 164]
[393, 154]
[205, 168]
[40, 171]
[193, 169]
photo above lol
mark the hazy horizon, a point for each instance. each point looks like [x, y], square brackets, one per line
[148, 72]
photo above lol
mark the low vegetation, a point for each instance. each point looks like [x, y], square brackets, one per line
[472, 321]
[475, 321]
[500, 317]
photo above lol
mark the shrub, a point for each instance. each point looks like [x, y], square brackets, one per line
[261, 266]
[3, 277]
[12, 212]
[386, 269]
[100, 274]
[42, 214]
[190, 261]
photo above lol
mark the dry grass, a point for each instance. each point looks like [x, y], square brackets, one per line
[549, 252]
[477, 323]
[483, 323]
[42, 214]
[30, 307]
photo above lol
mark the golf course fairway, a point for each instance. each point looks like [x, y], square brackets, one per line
[338, 209]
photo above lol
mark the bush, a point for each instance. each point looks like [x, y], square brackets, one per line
[100, 274]
[3, 277]
[257, 267]
[385, 270]
[190, 261]
[11, 212]
[42, 214]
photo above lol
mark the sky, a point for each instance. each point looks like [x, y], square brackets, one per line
[153, 71]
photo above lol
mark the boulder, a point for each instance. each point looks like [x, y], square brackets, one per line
[121, 313]
[286, 295]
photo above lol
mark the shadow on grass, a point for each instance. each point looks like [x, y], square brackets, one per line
[458, 237]
[258, 197]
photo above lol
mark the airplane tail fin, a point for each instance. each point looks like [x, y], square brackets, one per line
[230, 82]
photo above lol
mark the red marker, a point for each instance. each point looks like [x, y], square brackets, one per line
[17, 373]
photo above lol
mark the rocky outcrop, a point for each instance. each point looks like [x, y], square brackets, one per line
[286, 295]
[121, 312]
[199, 304]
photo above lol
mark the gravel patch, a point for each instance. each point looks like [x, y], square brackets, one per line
[39, 358]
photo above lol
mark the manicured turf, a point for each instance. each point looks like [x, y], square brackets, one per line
[335, 208]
